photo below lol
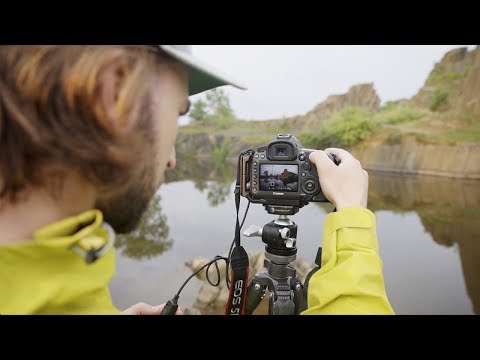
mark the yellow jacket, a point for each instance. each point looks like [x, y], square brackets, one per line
[44, 275]
[350, 280]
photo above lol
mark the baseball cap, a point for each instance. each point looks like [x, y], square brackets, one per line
[202, 77]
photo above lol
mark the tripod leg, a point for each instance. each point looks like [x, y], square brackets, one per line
[297, 289]
[255, 294]
[283, 297]
[283, 304]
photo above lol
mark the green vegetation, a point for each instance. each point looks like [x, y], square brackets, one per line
[444, 77]
[353, 125]
[345, 128]
[448, 78]
[217, 191]
[439, 98]
[283, 125]
[459, 135]
[220, 153]
[394, 113]
[258, 139]
[199, 111]
[215, 111]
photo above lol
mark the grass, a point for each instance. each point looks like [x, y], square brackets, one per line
[393, 113]
[444, 77]
[352, 125]
[452, 129]
[459, 135]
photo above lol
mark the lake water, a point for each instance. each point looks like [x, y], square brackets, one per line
[428, 230]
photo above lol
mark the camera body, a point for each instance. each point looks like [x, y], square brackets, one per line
[280, 174]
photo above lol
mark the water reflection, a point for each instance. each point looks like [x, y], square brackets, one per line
[448, 210]
[215, 179]
[151, 238]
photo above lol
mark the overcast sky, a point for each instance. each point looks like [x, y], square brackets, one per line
[287, 80]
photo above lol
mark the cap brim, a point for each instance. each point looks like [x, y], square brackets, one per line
[202, 77]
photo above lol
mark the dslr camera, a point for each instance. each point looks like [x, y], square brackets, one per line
[280, 176]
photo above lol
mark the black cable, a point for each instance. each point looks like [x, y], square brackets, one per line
[203, 267]
[208, 264]
[171, 306]
[218, 271]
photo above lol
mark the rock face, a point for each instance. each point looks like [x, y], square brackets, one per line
[198, 144]
[202, 144]
[212, 300]
[411, 157]
[458, 76]
[361, 96]
[455, 80]
[471, 85]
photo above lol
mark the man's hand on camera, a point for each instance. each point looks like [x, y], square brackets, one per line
[142, 308]
[343, 185]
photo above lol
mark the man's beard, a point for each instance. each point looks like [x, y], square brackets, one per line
[124, 210]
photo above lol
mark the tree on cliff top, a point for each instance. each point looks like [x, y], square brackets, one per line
[215, 110]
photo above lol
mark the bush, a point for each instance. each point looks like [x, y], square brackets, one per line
[438, 99]
[396, 114]
[354, 125]
[345, 128]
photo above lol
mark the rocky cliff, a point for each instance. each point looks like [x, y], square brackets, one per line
[203, 143]
[471, 85]
[444, 141]
[413, 157]
[361, 96]
[456, 80]
[457, 75]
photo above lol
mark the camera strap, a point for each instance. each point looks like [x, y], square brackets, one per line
[239, 261]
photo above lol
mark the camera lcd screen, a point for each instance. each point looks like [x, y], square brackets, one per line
[280, 151]
[278, 177]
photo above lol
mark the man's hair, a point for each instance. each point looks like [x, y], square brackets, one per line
[51, 111]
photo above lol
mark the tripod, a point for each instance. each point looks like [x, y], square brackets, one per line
[280, 278]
